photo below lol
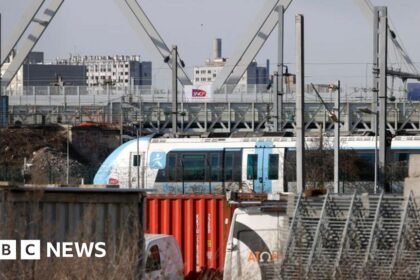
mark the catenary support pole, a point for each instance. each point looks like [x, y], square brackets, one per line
[375, 67]
[383, 55]
[275, 81]
[174, 89]
[375, 87]
[68, 155]
[280, 58]
[138, 156]
[337, 141]
[121, 120]
[300, 130]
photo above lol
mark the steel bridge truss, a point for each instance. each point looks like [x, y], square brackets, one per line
[353, 237]
[207, 117]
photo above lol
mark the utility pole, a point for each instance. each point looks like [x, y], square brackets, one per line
[121, 120]
[279, 77]
[68, 155]
[375, 86]
[275, 94]
[375, 68]
[337, 141]
[138, 156]
[174, 89]
[300, 82]
[383, 57]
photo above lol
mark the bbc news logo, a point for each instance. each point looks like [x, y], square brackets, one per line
[31, 249]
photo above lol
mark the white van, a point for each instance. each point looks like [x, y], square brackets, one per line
[163, 257]
[257, 240]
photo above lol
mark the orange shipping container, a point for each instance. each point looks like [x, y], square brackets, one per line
[200, 224]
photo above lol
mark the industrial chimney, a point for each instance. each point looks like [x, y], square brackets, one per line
[217, 48]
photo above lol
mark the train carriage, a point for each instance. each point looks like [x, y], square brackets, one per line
[214, 165]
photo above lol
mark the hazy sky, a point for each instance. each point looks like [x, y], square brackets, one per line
[337, 35]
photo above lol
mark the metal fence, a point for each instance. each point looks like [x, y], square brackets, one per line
[353, 237]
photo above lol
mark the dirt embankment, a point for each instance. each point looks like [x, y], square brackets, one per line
[45, 152]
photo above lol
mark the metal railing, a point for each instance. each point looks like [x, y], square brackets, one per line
[250, 93]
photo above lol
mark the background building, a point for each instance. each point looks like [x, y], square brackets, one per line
[35, 58]
[51, 74]
[35, 73]
[118, 70]
[205, 75]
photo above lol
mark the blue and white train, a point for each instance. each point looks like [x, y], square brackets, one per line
[208, 165]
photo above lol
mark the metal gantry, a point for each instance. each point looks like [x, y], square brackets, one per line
[355, 236]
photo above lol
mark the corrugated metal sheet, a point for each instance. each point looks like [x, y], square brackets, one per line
[4, 111]
[62, 214]
[200, 224]
[83, 216]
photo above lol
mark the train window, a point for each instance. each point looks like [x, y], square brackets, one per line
[136, 160]
[205, 166]
[171, 167]
[237, 166]
[252, 167]
[273, 167]
[214, 171]
[229, 167]
[194, 167]
[233, 166]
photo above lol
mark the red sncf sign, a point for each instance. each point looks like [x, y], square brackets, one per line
[198, 93]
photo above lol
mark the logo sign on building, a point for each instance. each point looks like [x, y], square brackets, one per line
[197, 93]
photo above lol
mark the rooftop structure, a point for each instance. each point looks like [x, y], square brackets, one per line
[205, 75]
